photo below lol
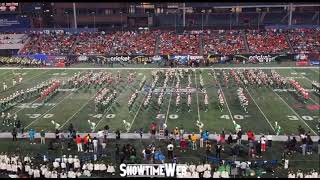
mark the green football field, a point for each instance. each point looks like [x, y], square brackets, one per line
[266, 105]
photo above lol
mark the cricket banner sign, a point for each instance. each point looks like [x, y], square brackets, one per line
[153, 170]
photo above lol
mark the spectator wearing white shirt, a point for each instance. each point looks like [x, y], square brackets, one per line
[111, 169]
[263, 143]
[63, 174]
[95, 145]
[36, 173]
[70, 162]
[269, 138]
[71, 174]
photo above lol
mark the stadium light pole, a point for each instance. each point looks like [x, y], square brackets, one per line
[67, 13]
[94, 19]
[175, 23]
[121, 20]
[290, 14]
[74, 16]
[202, 13]
[184, 15]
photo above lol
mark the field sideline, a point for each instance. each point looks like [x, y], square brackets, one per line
[266, 105]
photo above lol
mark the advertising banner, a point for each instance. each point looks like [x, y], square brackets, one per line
[261, 58]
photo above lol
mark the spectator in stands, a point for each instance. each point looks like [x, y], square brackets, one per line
[185, 44]
[267, 42]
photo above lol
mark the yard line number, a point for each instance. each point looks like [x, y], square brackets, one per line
[236, 116]
[98, 116]
[307, 118]
[35, 116]
[171, 116]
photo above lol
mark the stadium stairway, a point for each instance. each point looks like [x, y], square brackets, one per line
[201, 45]
[245, 41]
[26, 42]
[288, 40]
[157, 49]
[74, 45]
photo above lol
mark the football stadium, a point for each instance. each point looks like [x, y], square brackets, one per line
[185, 90]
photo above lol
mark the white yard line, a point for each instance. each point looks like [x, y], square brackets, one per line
[167, 114]
[305, 77]
[63, 98]
[4, 73]
[32, 77]
[109, 108]
[84, 105]
[260, 109]
[195, 78]
[317, 71]
[30, 103]
[223, 96]
[137, 112]
[294, 112]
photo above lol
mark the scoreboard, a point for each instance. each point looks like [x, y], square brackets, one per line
[8, 7]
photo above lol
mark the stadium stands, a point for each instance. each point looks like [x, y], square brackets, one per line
[12, 41]
[179, 44]
[134, 43]
[93, 43]
[223, 42]
[305, 40]
[269, 41]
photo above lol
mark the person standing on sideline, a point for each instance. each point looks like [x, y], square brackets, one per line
[218, 150]
[141, 133]
[319, 146]
[42, 137]
[14, 134]
[269, 138]
[239, 136]
[95, 145]
[170, 151]
[118, 134]
[79, 143]
[105, 132]
[263, 143]
[194, 141]
[31, 136]
[57, 134]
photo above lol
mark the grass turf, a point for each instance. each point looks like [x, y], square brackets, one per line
[266, 106]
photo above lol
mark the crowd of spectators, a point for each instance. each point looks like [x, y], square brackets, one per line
[223, 42]
[267, 42]
[12, 38]
[305, 40]
[135, 43]
[179, 44]
[93, 43]
[50, 44]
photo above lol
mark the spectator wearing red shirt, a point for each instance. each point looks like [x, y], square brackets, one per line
[183, 145]
[79, 143]
[153, 129]
[250, 135]
[85, 143]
